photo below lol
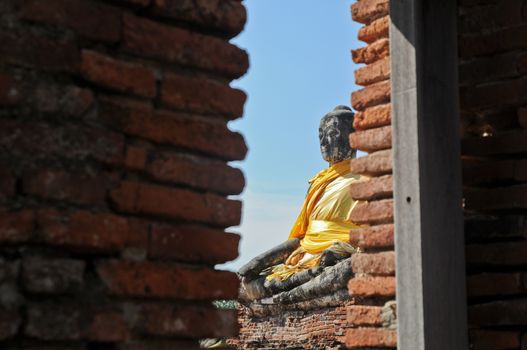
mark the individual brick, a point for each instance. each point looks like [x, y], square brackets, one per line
[490, 69]
[38, 51]
[511, 142]
[372, 95]
[377, 29]
[499, 94]
[203, 135]
[196, 172]
[377, 212]
[492, 340]
[192, 243]
[373, 117]
[371, 337]
[201, 95]
[503, 227]
[64, 186]
[179, 46]
[68, 322]
[369, 287]
[493, 42]
[87, 18]
[511, 312]
[118, 75]
[373, 52]
[374, 164]
[158, 280]
[16, 226]
[175, 203]
[210, 137]
[46, 97]
[497, 254]
[377, 264]
[91, 232]
[513, 197]
[494, 171]
[381, 236]
[52, 276]
[373, 73]
[359, 315]
[372, 140]
[64, 100]
[372, 189]
[186, 321]
[228, 17]
[29, 141]
[366, 11]
[496, 284]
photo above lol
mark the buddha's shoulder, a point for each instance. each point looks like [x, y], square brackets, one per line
[351, 178]
[346, 180]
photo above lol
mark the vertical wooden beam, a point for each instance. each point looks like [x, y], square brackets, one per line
[431, 293]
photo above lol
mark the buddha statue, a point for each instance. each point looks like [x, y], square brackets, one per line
[319, 238]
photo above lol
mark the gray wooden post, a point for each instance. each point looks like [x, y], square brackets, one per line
[429, 241]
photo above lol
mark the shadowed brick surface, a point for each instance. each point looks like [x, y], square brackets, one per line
[114, 176]
[494, 147]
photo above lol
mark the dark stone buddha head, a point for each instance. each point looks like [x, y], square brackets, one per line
[333, 133]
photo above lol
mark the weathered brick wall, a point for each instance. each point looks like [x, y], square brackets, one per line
[367, 319]
[114, 177]
[296, 329]
[373, 285]
[493, 91]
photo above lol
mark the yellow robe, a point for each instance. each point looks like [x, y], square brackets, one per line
[325, 218]
[330, 220]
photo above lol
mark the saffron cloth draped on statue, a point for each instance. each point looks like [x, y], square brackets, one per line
[325, 215]
[324, 221]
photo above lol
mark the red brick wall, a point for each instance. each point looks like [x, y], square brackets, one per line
[374, 282]
[114, 177]
[493, 91]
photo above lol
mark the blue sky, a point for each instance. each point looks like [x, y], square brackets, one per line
[301, 68]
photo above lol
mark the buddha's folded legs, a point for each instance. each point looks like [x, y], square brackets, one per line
[332, 278]
[276, 286]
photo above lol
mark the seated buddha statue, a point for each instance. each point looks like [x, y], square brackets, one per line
[320, 236]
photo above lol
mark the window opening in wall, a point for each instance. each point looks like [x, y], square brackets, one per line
[301, 70]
